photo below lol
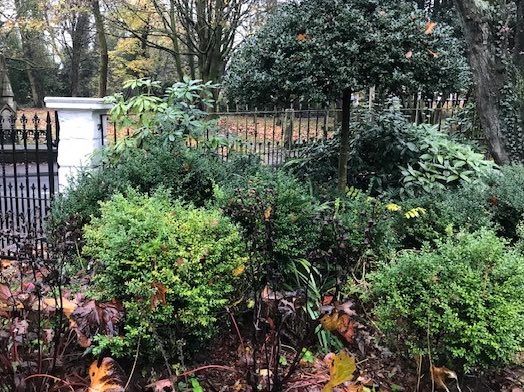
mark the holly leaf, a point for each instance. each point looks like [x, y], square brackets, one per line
[341, 369]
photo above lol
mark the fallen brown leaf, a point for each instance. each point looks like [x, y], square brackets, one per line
[441, 374]
[106, 376]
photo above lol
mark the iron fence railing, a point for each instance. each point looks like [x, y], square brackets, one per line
[28, 181]
[276, 134]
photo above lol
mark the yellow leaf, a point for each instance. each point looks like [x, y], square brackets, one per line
[415, 212]
[267, 213]
[107, 376]
[239, 270]
[341, 369]
[393, 207]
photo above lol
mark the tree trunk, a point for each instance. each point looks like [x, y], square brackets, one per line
[31, 41]
[102, 42]
[518, 58]
[79, 43]
[487, 73]
[345, 138]
[174, 40]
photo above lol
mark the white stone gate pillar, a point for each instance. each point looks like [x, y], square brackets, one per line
[80, 133]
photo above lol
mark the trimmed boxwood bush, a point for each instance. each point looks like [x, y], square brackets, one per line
[464, 298]
[144, 245]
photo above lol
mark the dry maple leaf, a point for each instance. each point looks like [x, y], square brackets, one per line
[68, 306]
[430, 26]
[106, 376]
[336, 318]
[441, 374]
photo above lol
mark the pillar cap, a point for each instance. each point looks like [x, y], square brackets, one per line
[76, 103]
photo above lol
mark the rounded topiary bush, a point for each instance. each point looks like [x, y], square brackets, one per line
[461, 301]
[173, 266]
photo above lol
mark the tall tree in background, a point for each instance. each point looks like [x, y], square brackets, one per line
[322, 50]
[29, 22]
[198, 34]
[103, 50]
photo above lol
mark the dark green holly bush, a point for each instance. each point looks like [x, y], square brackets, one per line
[314, 49]
[143, 245]
[461, 301]
[188, 173]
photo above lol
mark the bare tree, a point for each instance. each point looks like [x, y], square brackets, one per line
[199, 34]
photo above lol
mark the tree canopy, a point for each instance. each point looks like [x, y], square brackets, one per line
[314, 49]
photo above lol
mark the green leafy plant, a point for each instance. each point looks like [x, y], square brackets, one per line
[461, 303]
[268, 194]
[442, 162]
[173, 115]
[173, 266]
[446, 212]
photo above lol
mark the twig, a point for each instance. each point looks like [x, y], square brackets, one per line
[236, 329]
[52, 377]
[430, 361]
[187, 373]
[134, 364]
[419, 371]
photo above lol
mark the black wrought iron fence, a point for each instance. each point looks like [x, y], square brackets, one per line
[276, 134]
[28, 181]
